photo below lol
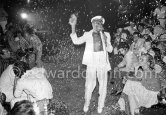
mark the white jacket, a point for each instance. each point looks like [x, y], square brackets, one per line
[88, 39]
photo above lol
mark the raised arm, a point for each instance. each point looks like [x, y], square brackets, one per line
[73, 35]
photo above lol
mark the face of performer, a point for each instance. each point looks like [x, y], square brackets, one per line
[97, 25]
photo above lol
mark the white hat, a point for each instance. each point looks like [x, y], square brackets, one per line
[98, 18]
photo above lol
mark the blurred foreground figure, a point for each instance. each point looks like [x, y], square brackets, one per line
[24, 107]
[95, 58]
[32, 85]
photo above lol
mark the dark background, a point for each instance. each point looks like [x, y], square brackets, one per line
[54, 14]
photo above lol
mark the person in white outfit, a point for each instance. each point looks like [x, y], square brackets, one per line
[95, 58]
[32, 85]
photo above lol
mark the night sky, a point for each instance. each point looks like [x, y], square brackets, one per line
[53, 15]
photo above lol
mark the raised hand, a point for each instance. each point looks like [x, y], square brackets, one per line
[73, 20]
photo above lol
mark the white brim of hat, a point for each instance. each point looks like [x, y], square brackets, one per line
[98, 18]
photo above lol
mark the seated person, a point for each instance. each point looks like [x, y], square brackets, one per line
[147, 47]
[7, 82]
[137, 44]
[32, 85]
[122, 49]
[129, 62]
[141, 28]
[141, 90]
[118, 58]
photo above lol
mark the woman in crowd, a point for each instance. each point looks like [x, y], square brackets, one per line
[32, 85]
[141, 90]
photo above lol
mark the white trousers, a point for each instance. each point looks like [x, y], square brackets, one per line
[98, 70]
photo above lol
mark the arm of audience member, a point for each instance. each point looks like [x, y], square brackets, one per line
[109, 47]
[78, 40]
[19, 88]
[122, 64]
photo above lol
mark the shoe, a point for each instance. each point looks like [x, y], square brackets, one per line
[86, 108]
[99, 110]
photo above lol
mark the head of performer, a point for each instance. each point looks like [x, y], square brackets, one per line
[97, 23]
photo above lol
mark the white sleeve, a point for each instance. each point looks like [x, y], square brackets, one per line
[78, 40]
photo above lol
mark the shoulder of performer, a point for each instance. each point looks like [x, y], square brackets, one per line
[107, 33]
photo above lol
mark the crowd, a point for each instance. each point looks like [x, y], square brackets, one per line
[24, 88]
[139, 60]
[141, 66]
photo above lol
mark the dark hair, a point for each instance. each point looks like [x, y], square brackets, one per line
[2, 98]
[150, 59]
[148, 39]
[137, 33]
[11, 27]
[18, 32]
[29, 30]
[123, 45]
[140, 68]
[141, 24]
[24, 107]
[126, 32]
[157, 53]
[1, 30]
[20, 68]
